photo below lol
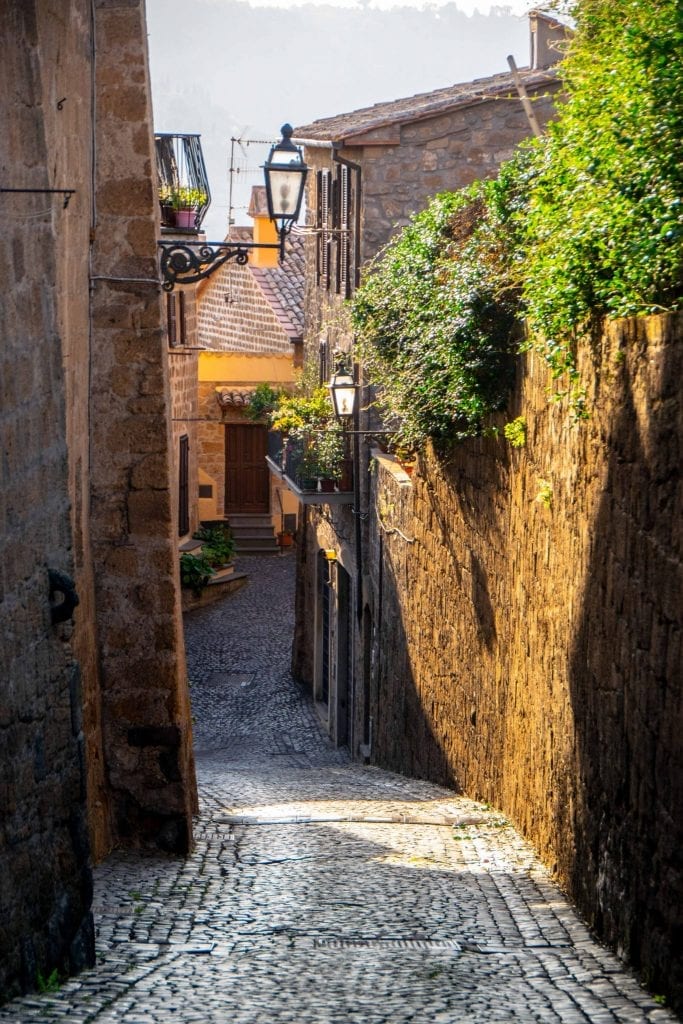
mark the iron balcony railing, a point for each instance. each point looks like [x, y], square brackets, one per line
[184, 194]
[299, 460]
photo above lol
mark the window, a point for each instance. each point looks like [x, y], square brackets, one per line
[338, 225]
[184, 486]
[324, 225]
[342, 226]
[175, 318]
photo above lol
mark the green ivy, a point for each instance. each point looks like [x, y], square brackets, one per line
[601, 230]
[584, 223]
[435, 318]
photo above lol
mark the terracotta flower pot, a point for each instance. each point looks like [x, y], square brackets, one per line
[185, 218]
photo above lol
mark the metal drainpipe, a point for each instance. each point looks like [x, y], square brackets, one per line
[358, 537]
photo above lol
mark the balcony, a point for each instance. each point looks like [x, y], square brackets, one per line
[301, 465]
[184, 194]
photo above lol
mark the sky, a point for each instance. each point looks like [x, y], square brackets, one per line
[236, 70]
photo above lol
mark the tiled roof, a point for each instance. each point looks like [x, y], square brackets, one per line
[283, 286]
[415, 108]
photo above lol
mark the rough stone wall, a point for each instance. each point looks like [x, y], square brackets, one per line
[441, 154]
[433, 155]
[45, 884]
[530, 649]
[235, 316]
[146, 719]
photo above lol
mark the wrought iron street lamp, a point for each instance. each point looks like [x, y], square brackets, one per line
[343, 390]
[285, 173]
[184, 262]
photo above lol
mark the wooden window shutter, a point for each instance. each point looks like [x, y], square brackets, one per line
[343, 239]
[184, 486]
[181, 328]
[171, 319]
[323, 225]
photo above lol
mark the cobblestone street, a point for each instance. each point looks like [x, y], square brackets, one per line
[320, 890]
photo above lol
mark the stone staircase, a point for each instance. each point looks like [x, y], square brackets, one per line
[253, 534]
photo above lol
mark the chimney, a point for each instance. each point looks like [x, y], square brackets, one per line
[548, 36]
[264, 229]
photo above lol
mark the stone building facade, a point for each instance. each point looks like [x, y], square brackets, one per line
[95, 745]
[250, 329]
[370, 170]
[509, 623]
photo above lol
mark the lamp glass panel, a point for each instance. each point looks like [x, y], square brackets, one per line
[343, 392]
[285, 188]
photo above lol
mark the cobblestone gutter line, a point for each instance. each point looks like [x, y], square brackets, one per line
[322, 891]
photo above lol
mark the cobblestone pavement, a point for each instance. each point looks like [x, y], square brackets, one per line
[322, 891]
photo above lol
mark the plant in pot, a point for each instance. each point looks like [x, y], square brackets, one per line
[218, 545]
[295, 417]
[186, 203]
[166, 204]
[329, 450]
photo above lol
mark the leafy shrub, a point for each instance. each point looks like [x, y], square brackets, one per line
[515, 432]
[602, 229]
[299, 411]
[435, 318]
[263, 401]
[583, 223]
[195, 572]
[218, 545]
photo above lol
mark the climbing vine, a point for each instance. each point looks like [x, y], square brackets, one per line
[582, 224]
[435, 319]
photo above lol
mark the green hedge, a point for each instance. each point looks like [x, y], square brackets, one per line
[583, 223]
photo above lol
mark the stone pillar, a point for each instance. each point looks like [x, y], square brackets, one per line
[145, 704]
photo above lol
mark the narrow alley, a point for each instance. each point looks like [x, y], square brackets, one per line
[320, 890]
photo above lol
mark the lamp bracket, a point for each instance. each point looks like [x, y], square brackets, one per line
[189, 262]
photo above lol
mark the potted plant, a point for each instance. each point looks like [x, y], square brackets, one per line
[218, 545]
[285, 538]
[328, 445]
[184, 202]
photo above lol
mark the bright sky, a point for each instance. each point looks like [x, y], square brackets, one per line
[467, 6]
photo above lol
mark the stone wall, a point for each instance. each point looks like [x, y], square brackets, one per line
[146, 719]
[94, 716]
[441, 154]
[235, 316]
[45, 884]
[528, 644]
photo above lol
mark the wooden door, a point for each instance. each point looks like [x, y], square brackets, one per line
[246, 473]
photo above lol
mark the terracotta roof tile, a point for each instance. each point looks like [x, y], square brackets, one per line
[283, 286]
[416, 108]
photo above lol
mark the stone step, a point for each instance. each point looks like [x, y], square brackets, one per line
[251, 531]
[244, 519]
[255, 543]
[253, 534]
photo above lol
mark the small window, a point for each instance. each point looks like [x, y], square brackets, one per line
[206, 490]
[175, 318]
[184, 486]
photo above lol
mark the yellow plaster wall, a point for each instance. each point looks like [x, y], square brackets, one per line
[242, 369]
[265, 231]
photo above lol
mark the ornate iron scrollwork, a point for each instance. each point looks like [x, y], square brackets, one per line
[189, 262]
